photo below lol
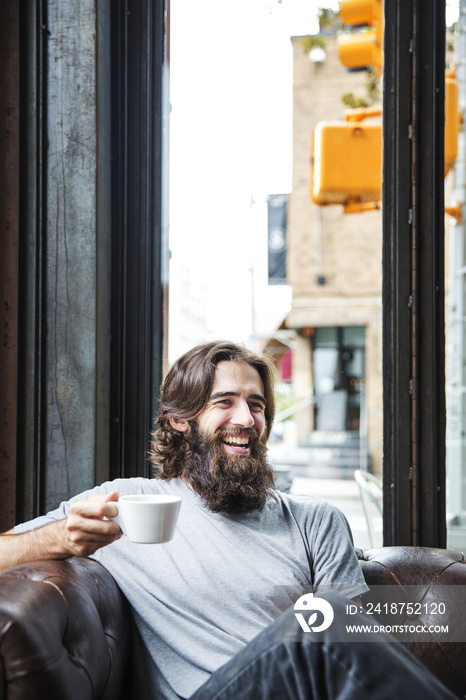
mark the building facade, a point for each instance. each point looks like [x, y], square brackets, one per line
[334, 269]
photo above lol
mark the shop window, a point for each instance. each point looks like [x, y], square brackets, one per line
[338, 375]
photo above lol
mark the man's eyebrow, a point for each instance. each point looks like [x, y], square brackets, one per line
[220, 394]
[259, 397]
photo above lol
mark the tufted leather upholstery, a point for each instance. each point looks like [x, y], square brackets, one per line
[65, 627]
[64, 632]
[433, 576]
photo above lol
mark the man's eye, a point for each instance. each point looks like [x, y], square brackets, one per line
[226, 402]
[256, 407]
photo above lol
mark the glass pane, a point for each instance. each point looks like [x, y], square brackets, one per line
[354, 336]
[455, 281]
[275, 223]
[326, 336]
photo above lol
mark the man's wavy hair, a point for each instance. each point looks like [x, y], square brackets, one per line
[185, 392]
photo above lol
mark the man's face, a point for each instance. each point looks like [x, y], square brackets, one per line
[236, 405]
[226, 461]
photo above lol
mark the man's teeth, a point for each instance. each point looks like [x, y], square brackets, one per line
[237, 440]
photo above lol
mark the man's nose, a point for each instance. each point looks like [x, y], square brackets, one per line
[242, 415]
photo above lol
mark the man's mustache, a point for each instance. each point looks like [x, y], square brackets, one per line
[220, 434]
[227, 432]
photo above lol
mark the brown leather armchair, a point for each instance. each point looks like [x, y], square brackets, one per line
[65, 628]
[65, 632]
[430, 574]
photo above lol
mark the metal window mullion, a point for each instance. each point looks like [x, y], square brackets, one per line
[415, 286]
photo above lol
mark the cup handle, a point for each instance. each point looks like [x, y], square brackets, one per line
[118, 518]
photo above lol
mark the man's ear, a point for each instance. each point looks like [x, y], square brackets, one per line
[181, 425]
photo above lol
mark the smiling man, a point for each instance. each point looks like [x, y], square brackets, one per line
[204, 604]
[222, 452]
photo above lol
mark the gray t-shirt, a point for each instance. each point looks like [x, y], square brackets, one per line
[200, 598]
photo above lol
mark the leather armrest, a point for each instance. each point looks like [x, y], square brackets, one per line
[64, 632]
[435, 575]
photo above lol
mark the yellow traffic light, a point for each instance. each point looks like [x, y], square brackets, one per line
[347, 156]
[359, 11]
[347, 163]
[360, 50]
[365, 48]
[452, 120]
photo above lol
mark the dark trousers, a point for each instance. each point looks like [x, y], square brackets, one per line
[285, 663]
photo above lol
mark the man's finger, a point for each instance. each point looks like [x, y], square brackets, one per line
[103, 497]
[92, 508]
[93, 525]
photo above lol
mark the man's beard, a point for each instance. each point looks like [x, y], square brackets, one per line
[233, 484]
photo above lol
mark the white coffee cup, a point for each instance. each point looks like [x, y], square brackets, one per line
[148, 518]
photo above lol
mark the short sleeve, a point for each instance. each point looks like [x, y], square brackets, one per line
[335, 566]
